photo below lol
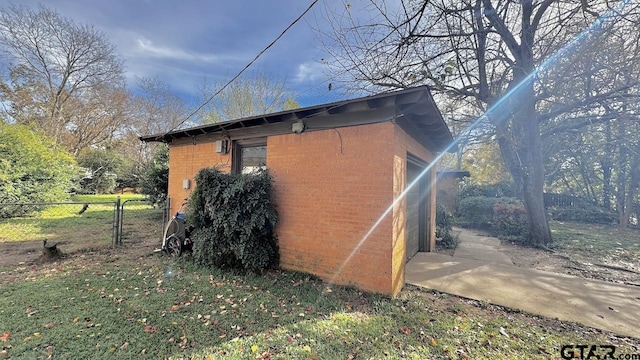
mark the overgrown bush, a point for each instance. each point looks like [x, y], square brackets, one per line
[586, 214]
[32, 168]
[234, 220]
[510, 218]
[476, 212]
[444, 224]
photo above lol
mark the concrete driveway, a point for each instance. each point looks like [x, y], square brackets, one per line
[598, 304]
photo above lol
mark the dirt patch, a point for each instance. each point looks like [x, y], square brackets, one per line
[20, 263]
[19, 252]
[576, 265]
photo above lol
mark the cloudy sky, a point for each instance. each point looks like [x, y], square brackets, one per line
[182, 42]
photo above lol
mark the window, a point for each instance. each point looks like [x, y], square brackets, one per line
[250, 156]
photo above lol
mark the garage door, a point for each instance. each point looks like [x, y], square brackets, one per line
[413, 212]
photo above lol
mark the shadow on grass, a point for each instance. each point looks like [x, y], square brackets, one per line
[75, 228]
[157, 308]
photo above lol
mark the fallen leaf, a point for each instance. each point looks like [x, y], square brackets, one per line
[48, 325]
[4, 337]
[433, 342]
[254, 348]
[175, 308]
[503, 332]
[124, 346]
[462, 354]
[149, 329]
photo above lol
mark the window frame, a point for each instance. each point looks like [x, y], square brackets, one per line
[238, 145]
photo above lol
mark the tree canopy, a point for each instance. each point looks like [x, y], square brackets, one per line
[525, 65]
[63, 77]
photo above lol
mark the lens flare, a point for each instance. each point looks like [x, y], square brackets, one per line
[498, 112]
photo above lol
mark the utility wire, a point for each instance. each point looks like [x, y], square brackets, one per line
[243, 69]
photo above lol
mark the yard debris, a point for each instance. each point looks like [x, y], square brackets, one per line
[503, 332]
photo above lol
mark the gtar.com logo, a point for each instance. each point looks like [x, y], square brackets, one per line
[596, 352]
[588, 352]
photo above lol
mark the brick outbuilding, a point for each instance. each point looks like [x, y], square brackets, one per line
[339, 170]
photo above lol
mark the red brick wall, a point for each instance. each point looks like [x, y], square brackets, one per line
[403, 144]
[185, 160]
[329, 192]
[330, 187]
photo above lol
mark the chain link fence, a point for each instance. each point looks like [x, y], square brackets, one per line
[141, 220]
[76, 226]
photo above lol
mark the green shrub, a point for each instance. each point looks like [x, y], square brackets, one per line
[444, 220]
[447, 241]
[102, 167]
[32, 168]
[510, 218]
[476, 212]
[469, 189]
[586, 214]
[505, 217]
[234, 220]
[444, 224]
[155, 180]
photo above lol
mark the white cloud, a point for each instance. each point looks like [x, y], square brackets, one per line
[147, 47]
[309, 72]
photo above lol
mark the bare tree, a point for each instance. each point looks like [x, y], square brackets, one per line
[156, 107]
[54, 63]
[479, 50]
[99, 116]
[254, 94]
[154, 110]
[589, 116]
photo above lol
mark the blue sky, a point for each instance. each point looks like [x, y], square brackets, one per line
[182, 42]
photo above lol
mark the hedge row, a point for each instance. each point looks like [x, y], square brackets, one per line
[503, 216]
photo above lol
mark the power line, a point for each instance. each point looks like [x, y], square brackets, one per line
[243, 69]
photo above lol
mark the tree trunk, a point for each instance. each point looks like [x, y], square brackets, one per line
[634, 183]
[509, 154]
[606, 164]
[530, 153]
[527, 168]
[621, 180]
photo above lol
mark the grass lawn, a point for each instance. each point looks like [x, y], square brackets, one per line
[104, 306]
[595, 241]
[75, 228]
